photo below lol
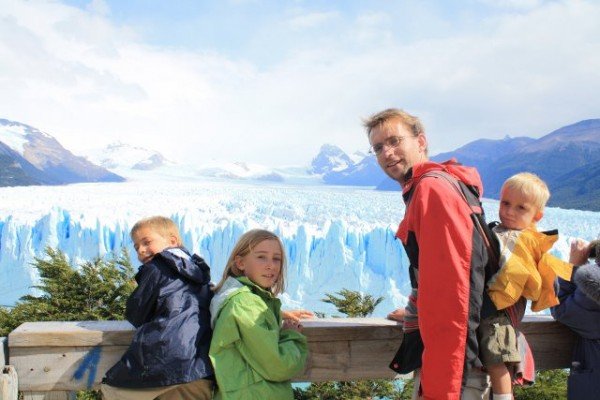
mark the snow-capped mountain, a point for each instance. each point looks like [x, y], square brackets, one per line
[366, 172]
[141, 164]
[121, 156]
[29, 156]
[330, 158]
[239, 171]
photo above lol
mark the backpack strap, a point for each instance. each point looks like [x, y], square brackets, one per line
[471, 197]
[470, 194]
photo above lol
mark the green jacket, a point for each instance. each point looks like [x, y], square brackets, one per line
[252, 357]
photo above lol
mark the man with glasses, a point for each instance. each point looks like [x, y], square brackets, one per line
[446, 260]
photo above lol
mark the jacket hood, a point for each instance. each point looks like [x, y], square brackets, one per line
[230, 286]
[467, 175]
[189, 266]
[587, 279]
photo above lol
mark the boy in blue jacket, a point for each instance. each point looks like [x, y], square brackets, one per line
[168, 357]
[579, 309]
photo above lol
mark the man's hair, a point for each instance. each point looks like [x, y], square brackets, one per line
[382, 118]
[244, 246]
[162, 225]
[386, 117]
[531, 186]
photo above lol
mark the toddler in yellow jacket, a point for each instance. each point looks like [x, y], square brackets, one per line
[526, 270]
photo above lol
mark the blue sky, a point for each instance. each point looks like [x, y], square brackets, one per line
[270, 81]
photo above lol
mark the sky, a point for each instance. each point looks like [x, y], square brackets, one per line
[269, 82]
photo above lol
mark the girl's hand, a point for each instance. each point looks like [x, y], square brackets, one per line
[291, 325]
[397, 315]
[296, 315]
[580, 251]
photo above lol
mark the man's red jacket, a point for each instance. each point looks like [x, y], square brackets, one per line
[448, 255]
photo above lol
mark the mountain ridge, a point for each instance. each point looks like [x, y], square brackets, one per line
[33, 157]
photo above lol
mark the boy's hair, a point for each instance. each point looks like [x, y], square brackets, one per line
[384, 117]
[247, 242]
[162, 225]
[531, 186]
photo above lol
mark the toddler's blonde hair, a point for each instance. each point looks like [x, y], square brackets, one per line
[531, 186]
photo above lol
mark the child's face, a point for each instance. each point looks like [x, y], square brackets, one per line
[517, 211]
[148, 242]
[263, 264]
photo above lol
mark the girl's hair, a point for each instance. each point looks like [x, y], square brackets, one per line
[244, 246]
[164, 226]
[531, 186]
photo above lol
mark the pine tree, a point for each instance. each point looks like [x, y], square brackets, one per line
[95, 290]
[352, 304]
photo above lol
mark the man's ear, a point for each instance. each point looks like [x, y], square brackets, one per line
[422, 140]
[538, 216]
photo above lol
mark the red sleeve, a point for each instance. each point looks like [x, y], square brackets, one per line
[443, 230]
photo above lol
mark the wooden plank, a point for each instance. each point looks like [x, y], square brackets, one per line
[339, 349]
[47, 396]
[332, 329]
[551, 342]
[71, 333]
[9, 383]
[63, 368]
[92, 333]
[370, 358]
[325, 359]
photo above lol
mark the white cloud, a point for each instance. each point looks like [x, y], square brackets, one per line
[514, 4]
[311, 20]
[76, 75]
[99, 7]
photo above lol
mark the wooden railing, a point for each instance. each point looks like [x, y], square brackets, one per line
[52, 359]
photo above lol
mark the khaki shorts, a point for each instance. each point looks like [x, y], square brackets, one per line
[497, 341]
[202, 389]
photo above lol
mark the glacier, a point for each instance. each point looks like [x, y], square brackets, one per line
[335, 237]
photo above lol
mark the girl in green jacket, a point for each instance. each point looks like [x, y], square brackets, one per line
[253, 353]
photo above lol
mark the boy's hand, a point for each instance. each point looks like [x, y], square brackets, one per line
[291, 325]
[580, 251]
[296, 315]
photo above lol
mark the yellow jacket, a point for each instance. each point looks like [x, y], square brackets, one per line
[527, 269]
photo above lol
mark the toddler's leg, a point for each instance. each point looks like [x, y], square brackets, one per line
[501, 381]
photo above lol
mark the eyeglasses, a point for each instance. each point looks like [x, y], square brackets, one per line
[392, 141]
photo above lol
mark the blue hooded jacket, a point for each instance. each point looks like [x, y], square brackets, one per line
[170, 310]
[579, 309]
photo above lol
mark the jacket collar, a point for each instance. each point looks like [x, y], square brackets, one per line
[264, 294]
[467, 175]
[230, 287]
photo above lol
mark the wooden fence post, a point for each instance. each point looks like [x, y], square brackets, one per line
[9, 385]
